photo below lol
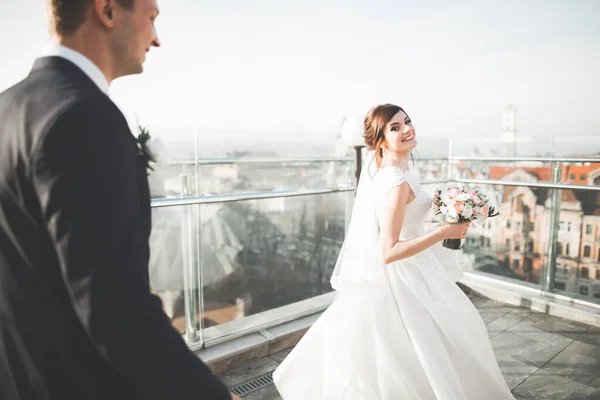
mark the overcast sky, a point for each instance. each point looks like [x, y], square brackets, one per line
[289, 69]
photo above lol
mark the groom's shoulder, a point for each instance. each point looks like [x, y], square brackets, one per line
[52, 91]
[42, 98]
[47, 108]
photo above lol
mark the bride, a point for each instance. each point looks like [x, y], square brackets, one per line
[399, 328]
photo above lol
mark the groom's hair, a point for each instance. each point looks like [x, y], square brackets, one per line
[69, 15]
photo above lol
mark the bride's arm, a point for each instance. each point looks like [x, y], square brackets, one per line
[395, 249]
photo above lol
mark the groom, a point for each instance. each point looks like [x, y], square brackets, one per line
[77, 318]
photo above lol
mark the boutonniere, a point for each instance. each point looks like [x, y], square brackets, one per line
[144, 151]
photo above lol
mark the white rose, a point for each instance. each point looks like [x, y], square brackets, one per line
[467, 212]
[463, 197]
[452, 212]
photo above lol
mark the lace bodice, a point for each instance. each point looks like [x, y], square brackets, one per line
[388, 177]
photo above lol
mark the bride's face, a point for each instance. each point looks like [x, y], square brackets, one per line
[400, 135]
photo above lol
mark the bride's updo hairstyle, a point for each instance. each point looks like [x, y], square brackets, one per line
[375, 122]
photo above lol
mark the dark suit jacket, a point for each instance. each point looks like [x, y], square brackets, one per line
[77, 318]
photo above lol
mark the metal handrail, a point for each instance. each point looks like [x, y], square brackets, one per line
[436, 181]
[530, 184]
[524, 159]
[260, 160]
[227, 198]
[293, 160]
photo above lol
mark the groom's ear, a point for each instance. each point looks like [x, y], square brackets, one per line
[105, 12]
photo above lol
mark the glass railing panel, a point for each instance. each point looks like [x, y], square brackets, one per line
[581, 173]
[515, 243]
[522, 170]
[169, 180]
[512, 245]
[173, 266]
[241, 177]
[578, 245]
[258, 255]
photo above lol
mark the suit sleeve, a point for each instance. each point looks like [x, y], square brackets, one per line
[85, 176]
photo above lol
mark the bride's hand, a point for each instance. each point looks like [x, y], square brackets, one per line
[455, 230]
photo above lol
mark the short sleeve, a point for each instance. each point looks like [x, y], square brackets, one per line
[391, 177]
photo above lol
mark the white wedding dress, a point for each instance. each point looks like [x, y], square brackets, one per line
[409, 333]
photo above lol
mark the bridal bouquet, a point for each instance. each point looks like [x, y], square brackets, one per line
[461, 205]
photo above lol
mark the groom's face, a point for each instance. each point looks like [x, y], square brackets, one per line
[135, 34]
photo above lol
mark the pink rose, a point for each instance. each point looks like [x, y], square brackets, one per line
[459, 207]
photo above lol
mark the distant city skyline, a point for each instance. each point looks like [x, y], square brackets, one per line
[291, 71]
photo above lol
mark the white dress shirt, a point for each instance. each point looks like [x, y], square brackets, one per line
[84, 63]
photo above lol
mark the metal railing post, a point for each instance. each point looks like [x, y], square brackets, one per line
[357, 162]
[348, 204]
[554, 219]
[198, 223]
[189, 276]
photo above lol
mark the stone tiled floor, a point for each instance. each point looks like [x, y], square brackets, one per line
[541, 356]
